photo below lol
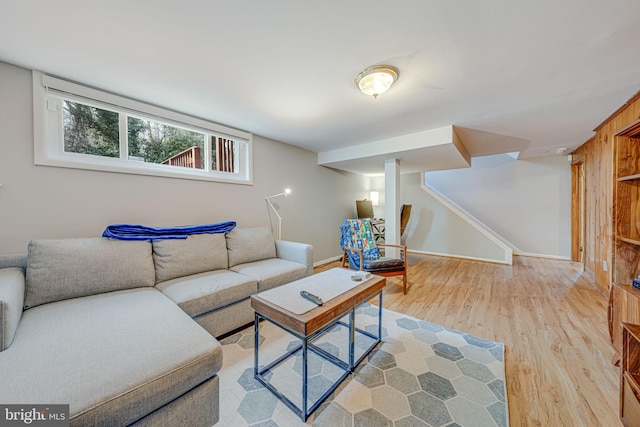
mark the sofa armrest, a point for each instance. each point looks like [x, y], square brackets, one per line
[12, 282]
[13, 260]
[301, 253]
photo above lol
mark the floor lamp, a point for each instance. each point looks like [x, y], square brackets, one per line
[287, 191]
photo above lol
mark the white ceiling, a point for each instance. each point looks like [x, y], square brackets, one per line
[514, 75]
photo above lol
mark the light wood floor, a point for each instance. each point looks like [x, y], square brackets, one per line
[551, 318]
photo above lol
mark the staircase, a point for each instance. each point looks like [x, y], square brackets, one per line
[452, 231]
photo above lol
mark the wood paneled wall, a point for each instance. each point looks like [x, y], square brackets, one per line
[597, 154]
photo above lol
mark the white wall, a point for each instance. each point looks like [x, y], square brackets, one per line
[528, 201]
[49, 202]
[435, 229]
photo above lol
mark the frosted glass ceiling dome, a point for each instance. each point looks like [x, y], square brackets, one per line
[376, 80]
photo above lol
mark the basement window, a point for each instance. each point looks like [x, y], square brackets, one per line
[85, 128]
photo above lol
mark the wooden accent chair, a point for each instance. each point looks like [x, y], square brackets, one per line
[361, 252]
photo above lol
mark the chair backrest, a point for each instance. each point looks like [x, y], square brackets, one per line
[356, 233]
[405, 214]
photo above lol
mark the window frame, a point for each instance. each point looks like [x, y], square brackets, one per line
[49, 141]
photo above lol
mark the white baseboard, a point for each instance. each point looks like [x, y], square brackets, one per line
[326, 261]
[496, 261]
[558, 257]
[411, 251]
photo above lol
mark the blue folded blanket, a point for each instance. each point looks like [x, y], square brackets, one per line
[142, 232]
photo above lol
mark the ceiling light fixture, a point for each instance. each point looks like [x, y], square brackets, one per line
[376, 80]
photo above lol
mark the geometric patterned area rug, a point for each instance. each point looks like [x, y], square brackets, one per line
[421, 374]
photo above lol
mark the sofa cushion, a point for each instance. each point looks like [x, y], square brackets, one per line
[227, 319]
[113, 357]
[199, 407]
[70, 268]
[196, 254]
[204, 292]
[11, 302]
[272, 272]
[250, 244]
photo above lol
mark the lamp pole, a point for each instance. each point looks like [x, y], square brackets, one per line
[286, 192]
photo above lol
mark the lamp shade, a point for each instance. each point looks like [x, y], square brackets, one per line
[374, 196]
[376, 80]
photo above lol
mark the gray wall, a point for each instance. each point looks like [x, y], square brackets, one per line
[49, 202]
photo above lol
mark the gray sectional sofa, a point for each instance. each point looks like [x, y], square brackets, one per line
[123, 331]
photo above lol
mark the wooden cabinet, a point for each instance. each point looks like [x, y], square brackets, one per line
[624, 307]
[630, 376]
[627, 204]
[624, 300]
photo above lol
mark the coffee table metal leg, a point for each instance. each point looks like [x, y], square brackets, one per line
[352, 339]
[380, 316]
[256, 336]
[305, 383]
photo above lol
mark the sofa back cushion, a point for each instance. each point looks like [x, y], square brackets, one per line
[250, 244]
[183, 257]
[70, 268]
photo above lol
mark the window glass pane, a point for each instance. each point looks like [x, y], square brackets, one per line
[154, 142]
[223, 152]
[90, 130]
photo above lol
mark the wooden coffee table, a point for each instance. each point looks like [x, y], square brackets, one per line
[284, 307]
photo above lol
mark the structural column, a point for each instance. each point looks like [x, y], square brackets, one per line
[392, 204]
